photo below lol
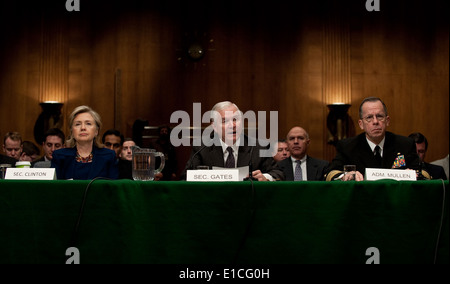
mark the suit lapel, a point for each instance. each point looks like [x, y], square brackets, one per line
[243, 156]
[216, 156]
[95, 169]
[72, 164]
[311, 169]
[365, 154]
[388, 151]
[288, 170]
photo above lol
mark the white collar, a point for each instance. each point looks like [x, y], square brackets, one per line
[373, 145]
[235, 147]
[302, 160]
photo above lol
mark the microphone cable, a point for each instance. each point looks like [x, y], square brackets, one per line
[74, 238]
[441, 222]
[251, 218]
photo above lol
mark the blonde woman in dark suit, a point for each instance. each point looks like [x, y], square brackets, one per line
[84, 156]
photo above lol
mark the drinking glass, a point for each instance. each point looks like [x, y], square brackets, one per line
[350, 170]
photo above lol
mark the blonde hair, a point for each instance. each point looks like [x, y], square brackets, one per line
[14, 136]
[70, 142]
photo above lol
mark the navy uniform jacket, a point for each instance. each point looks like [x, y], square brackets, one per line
[435, 171]
[315, 168]
[104, 163]
[356, 151]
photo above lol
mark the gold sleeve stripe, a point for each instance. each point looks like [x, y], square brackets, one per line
[331, 175]
[426, 174]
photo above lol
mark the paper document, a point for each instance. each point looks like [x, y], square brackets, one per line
[243, 171]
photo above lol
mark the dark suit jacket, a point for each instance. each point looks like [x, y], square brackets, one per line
[41, 159]
[436, 172]
[356, 151]
[170, 155]
[7, 160]
[315, 169]
[213, 157]
[125, 169]
[104, 163]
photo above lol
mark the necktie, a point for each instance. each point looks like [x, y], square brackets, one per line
[378, 155]
[298, 175]
[230, 163]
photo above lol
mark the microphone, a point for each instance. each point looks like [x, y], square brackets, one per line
[191, 160]
[419, 172]
[250, 167]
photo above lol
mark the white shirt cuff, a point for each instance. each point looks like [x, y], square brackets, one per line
[269, 177]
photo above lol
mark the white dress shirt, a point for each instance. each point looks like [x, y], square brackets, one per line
[235, 148]
[225, 152]
[373, 145]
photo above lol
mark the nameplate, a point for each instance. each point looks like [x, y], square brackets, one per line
[30, 173]
[377, 174]
[213, 175]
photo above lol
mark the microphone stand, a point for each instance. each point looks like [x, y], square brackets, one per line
[250, 168]
[419, 174]
[193, 156]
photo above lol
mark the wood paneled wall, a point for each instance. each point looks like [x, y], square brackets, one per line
[127, 60]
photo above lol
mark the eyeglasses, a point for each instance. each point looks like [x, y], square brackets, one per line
[380, 117]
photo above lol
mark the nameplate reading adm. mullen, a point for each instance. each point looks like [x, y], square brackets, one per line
[378, 174]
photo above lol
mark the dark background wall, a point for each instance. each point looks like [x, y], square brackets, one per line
[128, 60]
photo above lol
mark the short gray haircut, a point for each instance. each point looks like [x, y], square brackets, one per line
[306, 132]
[372, 100]
[221, 106]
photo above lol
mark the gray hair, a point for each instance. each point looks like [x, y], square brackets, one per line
[306, 132]
[372, 99]
[98, 121]
[221, 106]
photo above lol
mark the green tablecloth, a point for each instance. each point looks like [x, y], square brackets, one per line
[224, 223]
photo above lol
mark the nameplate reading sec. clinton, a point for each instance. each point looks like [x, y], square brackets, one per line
[30, 173]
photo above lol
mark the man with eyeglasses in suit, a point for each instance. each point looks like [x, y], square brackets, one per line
[375, 148]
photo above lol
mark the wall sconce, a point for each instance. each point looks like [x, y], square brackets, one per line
[339, 123]
[50, 117]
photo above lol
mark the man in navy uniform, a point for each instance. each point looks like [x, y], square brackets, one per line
[375, 148]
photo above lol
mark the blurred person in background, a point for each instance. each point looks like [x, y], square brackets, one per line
[12, 145]
[281, 151]
[30, 152]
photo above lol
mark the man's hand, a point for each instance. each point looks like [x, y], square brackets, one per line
[353, 176]
[158, 176]
[259, 176]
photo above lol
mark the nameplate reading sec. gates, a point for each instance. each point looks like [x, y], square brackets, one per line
[30, 173]
[377, 174]
[213, 175]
